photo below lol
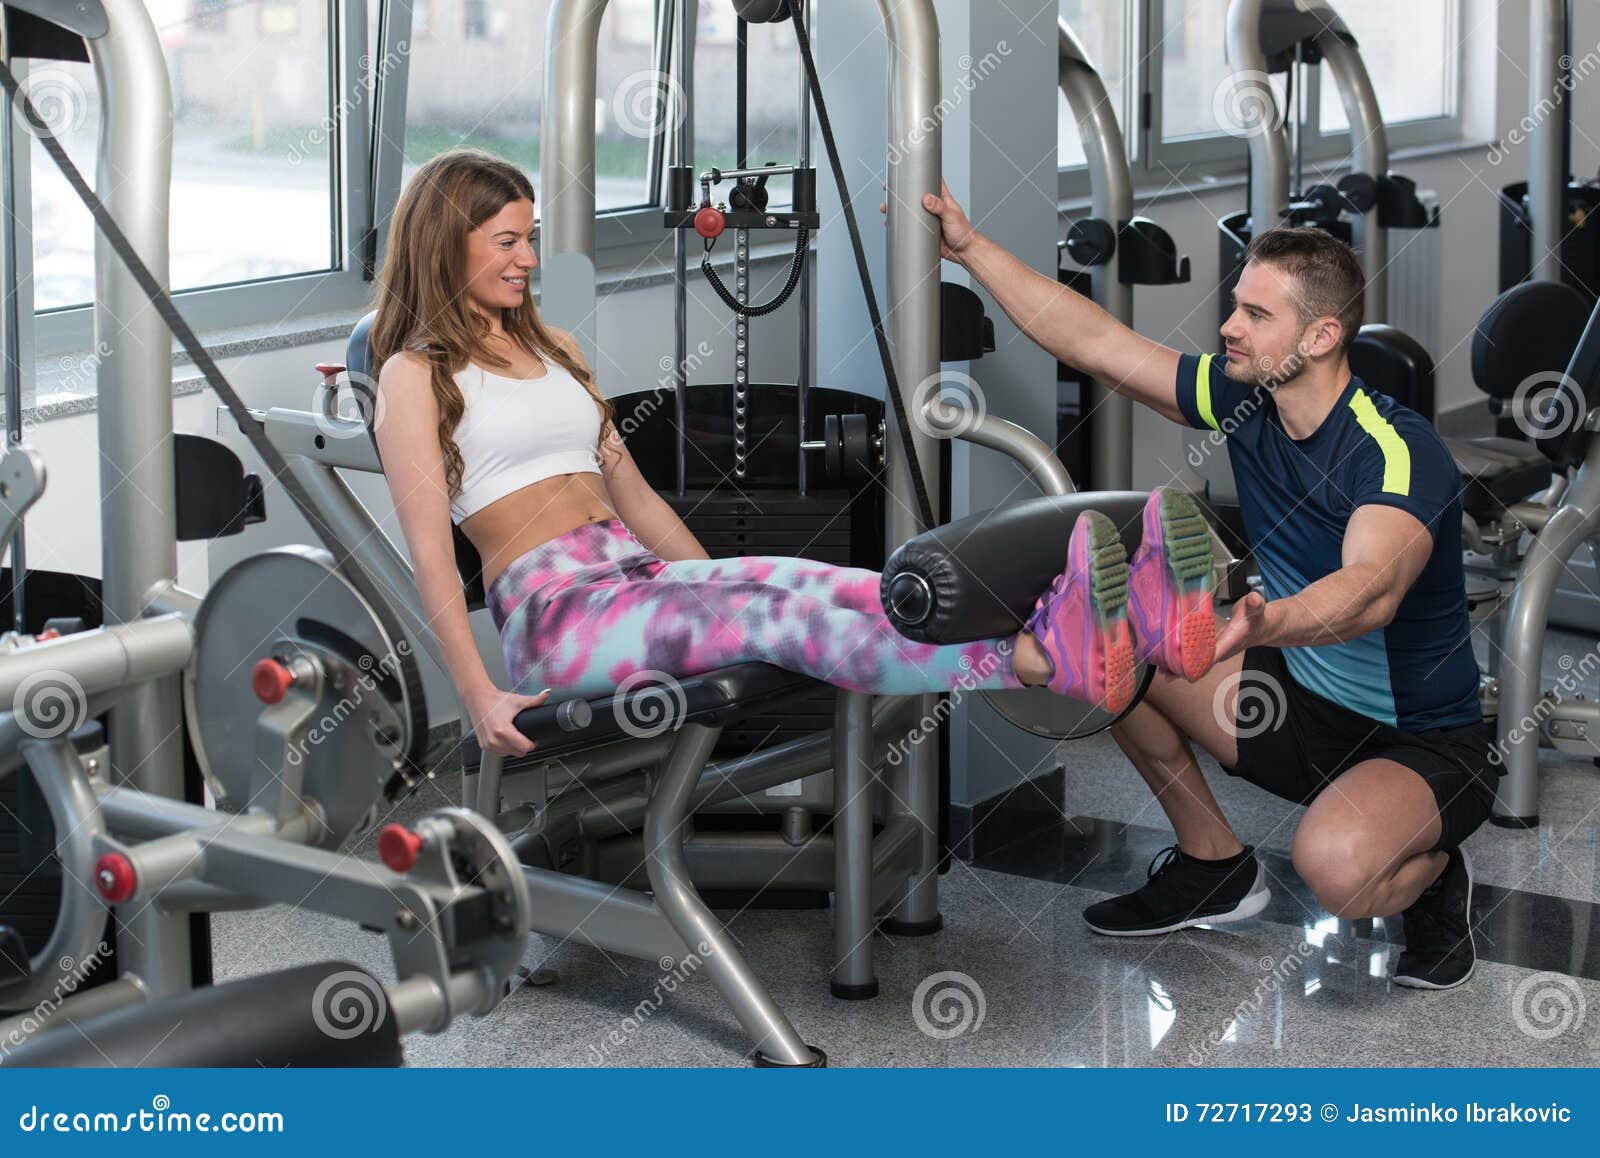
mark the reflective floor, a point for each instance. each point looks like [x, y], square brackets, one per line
[1015, 978]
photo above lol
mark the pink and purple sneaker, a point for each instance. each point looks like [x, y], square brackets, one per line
[1081, 621]
[1169, 599]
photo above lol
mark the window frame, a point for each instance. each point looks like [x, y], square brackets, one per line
[1073, 180]
[365, 165]
[1218, 154]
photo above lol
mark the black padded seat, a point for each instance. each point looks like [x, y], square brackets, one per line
[716, 697]
[1496, 472]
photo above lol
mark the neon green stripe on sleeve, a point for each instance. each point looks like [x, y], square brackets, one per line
[1202, 392]
[1396, 454]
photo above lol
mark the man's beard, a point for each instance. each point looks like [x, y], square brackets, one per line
[1267, 372]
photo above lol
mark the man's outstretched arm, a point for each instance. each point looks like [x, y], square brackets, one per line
[1067, 324]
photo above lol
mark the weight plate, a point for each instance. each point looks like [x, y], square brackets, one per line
[285, 602]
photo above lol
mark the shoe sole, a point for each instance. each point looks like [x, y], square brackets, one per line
[1251, 905]
[1186, 545]
[1108, 595]
[1410, 982]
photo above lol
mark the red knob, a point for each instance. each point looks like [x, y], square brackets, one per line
[47, 633]
[398, 847]
[115, 878]
[710, 222]
[271, 681]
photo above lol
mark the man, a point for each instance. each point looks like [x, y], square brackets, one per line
[1350, 685]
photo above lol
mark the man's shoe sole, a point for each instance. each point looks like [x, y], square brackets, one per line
[1251, 905]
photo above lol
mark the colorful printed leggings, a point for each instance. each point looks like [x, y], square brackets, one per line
[583, 612]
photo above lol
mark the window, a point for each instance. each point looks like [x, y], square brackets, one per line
[251, 158]
[1408, 51]
[501, 46]
[1173, 66]
[1193, 66]
[1102, 28]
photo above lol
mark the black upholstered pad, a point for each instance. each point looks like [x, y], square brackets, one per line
[717, 697]
[276, 1020]
[1497, 471]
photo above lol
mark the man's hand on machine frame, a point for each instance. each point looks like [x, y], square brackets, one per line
[955, 231]
[1245, 626]
[493, 714]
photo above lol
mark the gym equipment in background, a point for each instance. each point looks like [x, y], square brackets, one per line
[1286, 36]
[1114, 251]
[1548, 227]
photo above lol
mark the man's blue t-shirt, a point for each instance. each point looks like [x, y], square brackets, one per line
[1297, 497]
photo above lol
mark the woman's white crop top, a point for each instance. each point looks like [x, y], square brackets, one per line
[516, 431]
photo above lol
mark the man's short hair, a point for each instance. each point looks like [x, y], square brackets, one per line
[1327, 275]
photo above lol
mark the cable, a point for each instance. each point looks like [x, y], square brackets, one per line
[891, 379]
[796, 268]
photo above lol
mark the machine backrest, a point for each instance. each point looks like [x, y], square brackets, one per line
[358, 360]
[1536, 344]
[1531, 329]
[1392, 361]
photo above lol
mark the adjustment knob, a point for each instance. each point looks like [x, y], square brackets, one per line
[399, 847]
[710, 221]
[115, 878]
[271, 681]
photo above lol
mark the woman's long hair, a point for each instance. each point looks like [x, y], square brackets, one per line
[421, 306]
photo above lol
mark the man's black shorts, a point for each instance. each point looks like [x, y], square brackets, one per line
[1292, 742]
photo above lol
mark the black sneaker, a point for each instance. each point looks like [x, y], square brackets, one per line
[1184, 891]
[1439, 953]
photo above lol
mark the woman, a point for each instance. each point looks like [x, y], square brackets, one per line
[493, 419]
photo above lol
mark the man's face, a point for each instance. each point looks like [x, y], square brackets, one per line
[1267, 343]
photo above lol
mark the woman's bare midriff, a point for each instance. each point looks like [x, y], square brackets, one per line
[509, 528]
